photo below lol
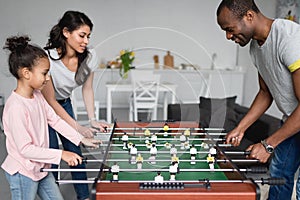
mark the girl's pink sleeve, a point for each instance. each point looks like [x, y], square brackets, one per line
[60, 125]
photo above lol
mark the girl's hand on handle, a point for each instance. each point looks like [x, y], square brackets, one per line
[71, 158]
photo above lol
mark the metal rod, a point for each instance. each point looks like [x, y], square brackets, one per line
[176, 139]
[169, 133]
[170, 129]
[169, 160]
[159, 145]
[144, 170]
[140, 145]
[152, 181]
[159, 152]
[183, 152]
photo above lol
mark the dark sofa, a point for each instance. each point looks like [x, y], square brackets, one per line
[224, 113]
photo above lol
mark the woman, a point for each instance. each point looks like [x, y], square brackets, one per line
[72, 65]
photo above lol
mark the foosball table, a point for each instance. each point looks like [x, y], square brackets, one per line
[174, 160]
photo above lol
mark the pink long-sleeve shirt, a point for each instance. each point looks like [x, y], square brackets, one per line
[25, 123]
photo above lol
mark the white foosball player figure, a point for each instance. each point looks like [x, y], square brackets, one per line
[166, 129]
[193, 152]
[204, 145]
[173, 169]
[213, 151]
[133, 153]
[147, 135]
[115, 169]
[154, 138]
[173, 150]
[211, 162]
[182, 139]
[125, 140]
[153, 152]
[159, 178]
[139, 161]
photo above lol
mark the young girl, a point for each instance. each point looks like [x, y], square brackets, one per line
[72, 65]
[26, 117]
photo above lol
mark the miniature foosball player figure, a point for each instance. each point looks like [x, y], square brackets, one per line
[166, 129]
[187, 145]
[147, 134]
[159, 178]
[213, 151]
[187, 133]
[211, 161]
[148, 145]
[125, 140]
[154, 138]
[182, 139]
[153, 152]
[167, 145]
[204, 145]
[129, 145]
[173, 169]
[193, 152]
[133, 153]
[115, 169]
[139, 161]
[175, 160]
[173, 150]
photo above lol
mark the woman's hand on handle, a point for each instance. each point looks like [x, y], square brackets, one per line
[89, 142]
[102, 126]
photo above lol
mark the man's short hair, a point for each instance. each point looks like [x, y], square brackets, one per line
[238, 7]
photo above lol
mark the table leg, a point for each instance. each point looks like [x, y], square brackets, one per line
[165, 115]
[108, 106]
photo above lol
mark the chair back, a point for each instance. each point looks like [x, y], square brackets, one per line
[145, 92]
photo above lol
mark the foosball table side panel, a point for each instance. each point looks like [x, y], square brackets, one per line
[224, 191]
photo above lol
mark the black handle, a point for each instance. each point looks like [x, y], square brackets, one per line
[258, 169]
[273, 181]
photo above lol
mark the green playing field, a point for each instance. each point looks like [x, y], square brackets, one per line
[162, 154]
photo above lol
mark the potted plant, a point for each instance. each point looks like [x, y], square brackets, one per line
[125, 60]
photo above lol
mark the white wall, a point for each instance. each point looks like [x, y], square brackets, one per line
[187, 28]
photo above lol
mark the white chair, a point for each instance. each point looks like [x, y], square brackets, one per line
[79, 106]
[144, 98]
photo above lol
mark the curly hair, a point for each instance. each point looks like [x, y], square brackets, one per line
[22, 54]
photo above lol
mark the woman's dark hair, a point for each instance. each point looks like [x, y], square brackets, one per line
[238, 7]
[71, 20]
[22, 54]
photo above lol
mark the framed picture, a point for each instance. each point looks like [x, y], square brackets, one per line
[288, 9]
